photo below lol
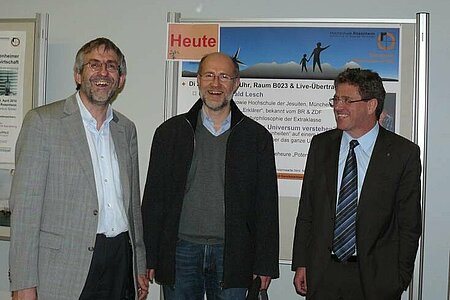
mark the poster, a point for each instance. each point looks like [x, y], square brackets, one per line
[12, 62]
[287, 74]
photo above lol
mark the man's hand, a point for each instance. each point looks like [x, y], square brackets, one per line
[265, 281]
[25, 294]
[300, 281]
[151, 275]
[142, 286]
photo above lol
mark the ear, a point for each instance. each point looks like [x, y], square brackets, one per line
[372, 105]
[122, 80]
[77, 77]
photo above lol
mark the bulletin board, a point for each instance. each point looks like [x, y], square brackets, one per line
[287, 67]
[23, 55]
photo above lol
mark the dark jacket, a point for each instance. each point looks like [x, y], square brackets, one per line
[251, 198]
[388, 220]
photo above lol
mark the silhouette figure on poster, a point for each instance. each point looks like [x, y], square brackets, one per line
[303, 62]
[316, 55]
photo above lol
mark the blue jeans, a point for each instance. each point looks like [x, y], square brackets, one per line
[199, 270]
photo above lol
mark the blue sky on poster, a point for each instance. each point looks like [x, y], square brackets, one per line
[287, 45]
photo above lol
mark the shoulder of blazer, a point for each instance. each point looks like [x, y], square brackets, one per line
[389, 138]
[122, 120]
[329, 136]
[58, 108]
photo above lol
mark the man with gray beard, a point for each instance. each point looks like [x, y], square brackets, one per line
[76, 227]
[210, 207]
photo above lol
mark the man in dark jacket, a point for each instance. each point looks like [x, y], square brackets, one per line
[210, 204]
[359, 218]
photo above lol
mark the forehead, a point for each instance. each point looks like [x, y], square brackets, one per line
[101, 54]
[346, 89]
[218, 63]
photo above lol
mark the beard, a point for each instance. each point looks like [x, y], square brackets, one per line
[216, 106]
[99, 97]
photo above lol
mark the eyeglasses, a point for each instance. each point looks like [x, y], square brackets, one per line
[345, 100]
[222, 77]
[97, 66]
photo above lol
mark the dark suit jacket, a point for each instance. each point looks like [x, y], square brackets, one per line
[388, 221]
[251, 198]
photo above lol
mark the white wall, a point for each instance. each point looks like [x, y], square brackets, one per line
[138, 27]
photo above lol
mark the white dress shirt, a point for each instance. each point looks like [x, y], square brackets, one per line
[112, 219]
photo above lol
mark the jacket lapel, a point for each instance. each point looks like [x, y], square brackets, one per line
[123, 157]
[332, 168]
[379, 163]
[73, 125]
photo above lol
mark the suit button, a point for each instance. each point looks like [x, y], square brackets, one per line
[95, 212]
[91, 249]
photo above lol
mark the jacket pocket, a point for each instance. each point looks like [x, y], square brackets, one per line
[50, 240]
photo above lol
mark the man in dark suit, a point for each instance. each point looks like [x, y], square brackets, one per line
[359, 218]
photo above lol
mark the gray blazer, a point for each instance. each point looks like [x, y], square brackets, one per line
[54, 201]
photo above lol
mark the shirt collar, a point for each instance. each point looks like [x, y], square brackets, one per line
[366, 141]
[87, 117]
[209, 123]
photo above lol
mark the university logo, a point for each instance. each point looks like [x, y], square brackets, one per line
[386, 41]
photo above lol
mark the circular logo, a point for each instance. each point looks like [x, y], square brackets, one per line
[386, 41]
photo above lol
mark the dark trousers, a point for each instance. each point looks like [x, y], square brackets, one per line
[110, 275]
[341, 281]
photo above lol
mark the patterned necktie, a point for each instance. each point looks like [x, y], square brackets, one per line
[344, 229]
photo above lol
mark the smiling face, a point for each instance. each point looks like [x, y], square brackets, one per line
[356, 118]
[216, 94]
[99, 87]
